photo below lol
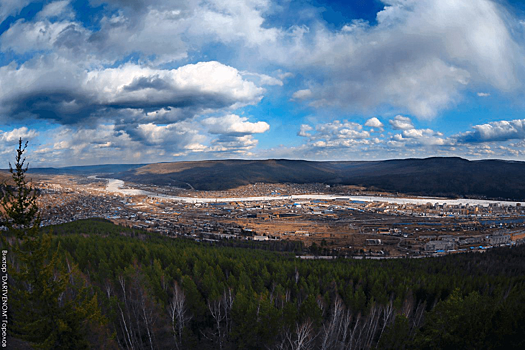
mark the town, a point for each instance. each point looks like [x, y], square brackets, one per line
[332, 221]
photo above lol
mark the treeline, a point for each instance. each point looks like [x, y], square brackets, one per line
[272, 245]
[158, 292]
[436, 176]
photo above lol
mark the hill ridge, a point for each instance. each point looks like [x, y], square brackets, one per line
[436, 176]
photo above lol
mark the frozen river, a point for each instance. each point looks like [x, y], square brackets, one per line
[115, 185]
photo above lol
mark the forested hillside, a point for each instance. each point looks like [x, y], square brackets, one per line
[438, 176]
[158, 292]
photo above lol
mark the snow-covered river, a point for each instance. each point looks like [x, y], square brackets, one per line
[115, 185]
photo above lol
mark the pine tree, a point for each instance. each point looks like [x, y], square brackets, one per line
[50, 307]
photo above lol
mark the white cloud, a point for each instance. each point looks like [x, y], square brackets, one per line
[233, 145]
[195, 147]
[11, 8]
[159, 134]
[61, 145]
[337, 138]
[419, 58]
[131, 83]
[264, 79]
[15, 134]
[55, 88]
[401, 123]
[336, 134]
[234, 20]
[55, 9]
[160, 31]
[374, 123]
[69, 146]
[42, 35]
[232, 124]
[423, 137]
[302, 94]
[285, 75]
[304, 130]
[157, 31]
[105, 143]
[494, 131]
[340, 129]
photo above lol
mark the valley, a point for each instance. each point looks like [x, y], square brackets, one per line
[340, 220]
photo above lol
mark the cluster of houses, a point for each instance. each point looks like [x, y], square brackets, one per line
[451, 243]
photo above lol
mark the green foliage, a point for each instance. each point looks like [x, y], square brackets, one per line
[474, 321]
[396, 335]
[51, 307]
[275, 293]
[19, 203]
[458, 323]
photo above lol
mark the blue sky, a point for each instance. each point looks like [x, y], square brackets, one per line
[115, 81]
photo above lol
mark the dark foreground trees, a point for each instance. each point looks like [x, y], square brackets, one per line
[50, 306]
[162, 292]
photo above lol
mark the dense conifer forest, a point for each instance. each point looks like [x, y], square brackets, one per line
[156, 292]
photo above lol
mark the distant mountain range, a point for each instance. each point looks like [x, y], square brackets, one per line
[87, 169]
[431, 176]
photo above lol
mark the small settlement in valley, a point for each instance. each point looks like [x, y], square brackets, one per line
[341, 221]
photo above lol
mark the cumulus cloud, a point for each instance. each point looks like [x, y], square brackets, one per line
[494, 131]
[421, 137]
[209, 84]
[59, 90]
[304, 130]
[232, 124]
[160, 31]
[15, 134]
[233, 20]
[341, 130]
[335, 134]
[176, 135]
[229, 135]
[420, 57]
[374, 123]
[156, 33]
[327, 141]
[72, 146]
[401, 123]
[43, 35]
[233, 144]
[80, 78]
[472, 142]
[127, 72]
[345, 136]
[106, 143]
